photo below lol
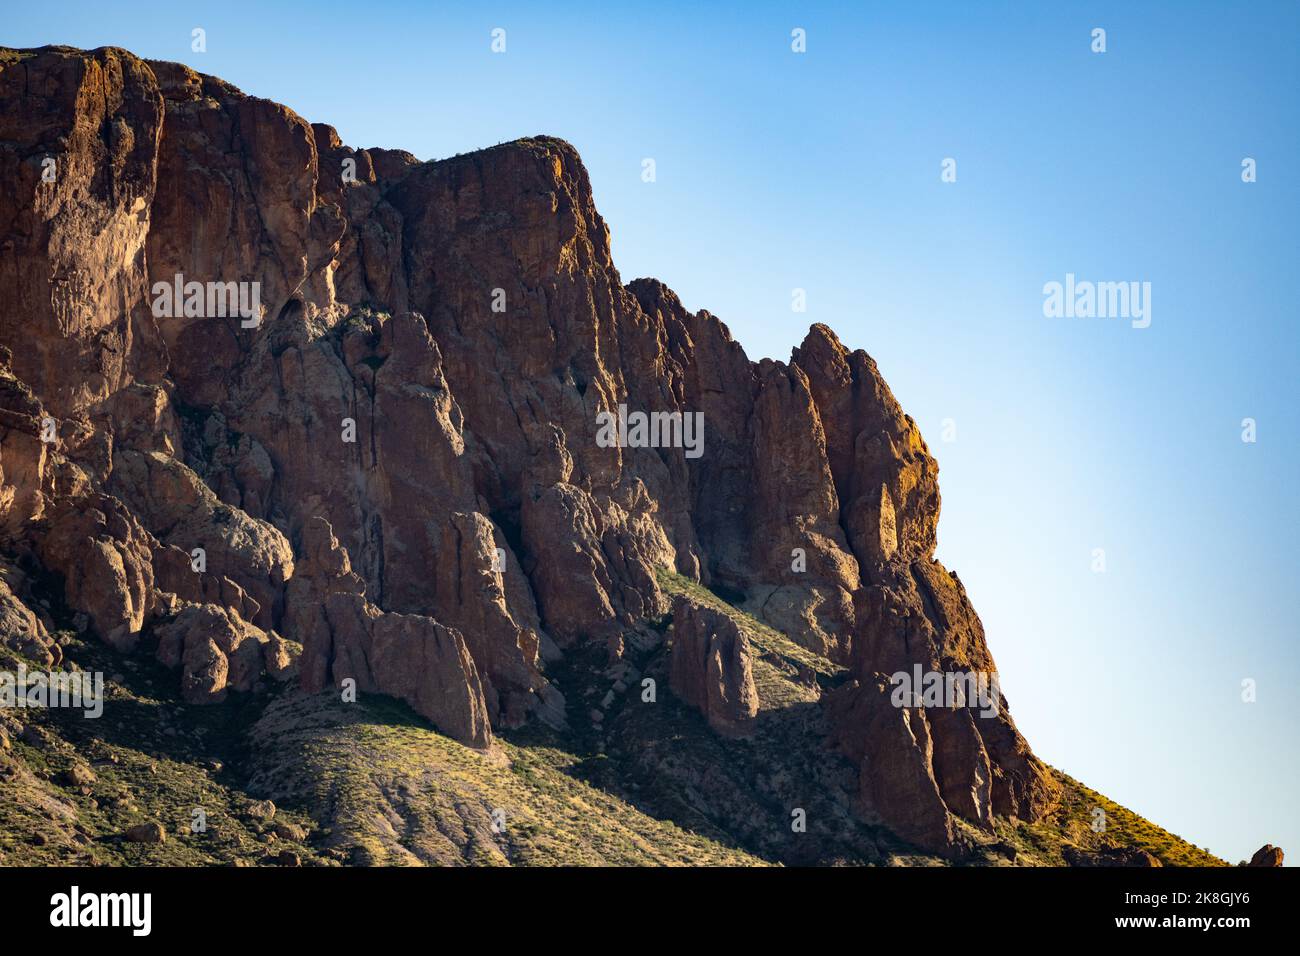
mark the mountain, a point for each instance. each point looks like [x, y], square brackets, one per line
[381, 497]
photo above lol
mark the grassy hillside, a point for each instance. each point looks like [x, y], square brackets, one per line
[73, 786]
[636, 779]
[1123, 828]
[395, 792]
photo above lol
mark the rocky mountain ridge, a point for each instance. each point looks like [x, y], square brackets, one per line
[387, 477]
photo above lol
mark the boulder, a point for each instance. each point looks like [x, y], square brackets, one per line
[1267, 855]
[147, 833]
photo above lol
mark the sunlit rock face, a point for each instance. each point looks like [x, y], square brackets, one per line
[262, 387]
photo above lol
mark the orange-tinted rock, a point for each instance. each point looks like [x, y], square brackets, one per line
[79, 180]
[236, 203]
[1267, 855]
[183, 512]
[105, 558]
[216, 650]
[25, 478]
[398, 466]
[345, 637]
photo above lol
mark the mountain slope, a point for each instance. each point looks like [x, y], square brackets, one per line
[277, 407]
[371, 784]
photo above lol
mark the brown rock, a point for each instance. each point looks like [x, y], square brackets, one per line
[183, 512]
[413, 657]
[290, 831]
[147, 833]
[262, 810]
[475, 529]
[882, 470]
[26, 475]
[215, 649]
[1267, 855]
[20, 628]
[79, 775]
[236, 201]
[105, 557]
[73, 273]
[711, 667]
[281, 657]
[893, 749]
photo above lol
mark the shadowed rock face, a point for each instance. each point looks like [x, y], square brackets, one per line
[397, 466]
[712, 667]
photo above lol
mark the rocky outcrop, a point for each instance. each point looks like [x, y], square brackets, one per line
[346, 638]
[389, 449]
[185, 514]
[711, 667]
[215, 649]
[963, 754]
[25, 475]
[81, 134]
[20, 627]
[106, 561]
[1267, 855]
[923, 762]
[236, 201]
[893, 750]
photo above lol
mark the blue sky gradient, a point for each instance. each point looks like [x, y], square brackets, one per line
[821, 171]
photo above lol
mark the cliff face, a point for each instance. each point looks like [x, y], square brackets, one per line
[390, 455]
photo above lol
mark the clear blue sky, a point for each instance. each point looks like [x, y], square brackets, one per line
[822, 171]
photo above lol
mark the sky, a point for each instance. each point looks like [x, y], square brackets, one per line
[821, 171]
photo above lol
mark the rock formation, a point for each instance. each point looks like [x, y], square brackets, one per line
[1267, 855]
[368, 425]
[712, 668]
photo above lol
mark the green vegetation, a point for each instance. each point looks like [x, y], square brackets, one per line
[372, 783]
[1071, 825]
[151, 758]
[396, 792]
